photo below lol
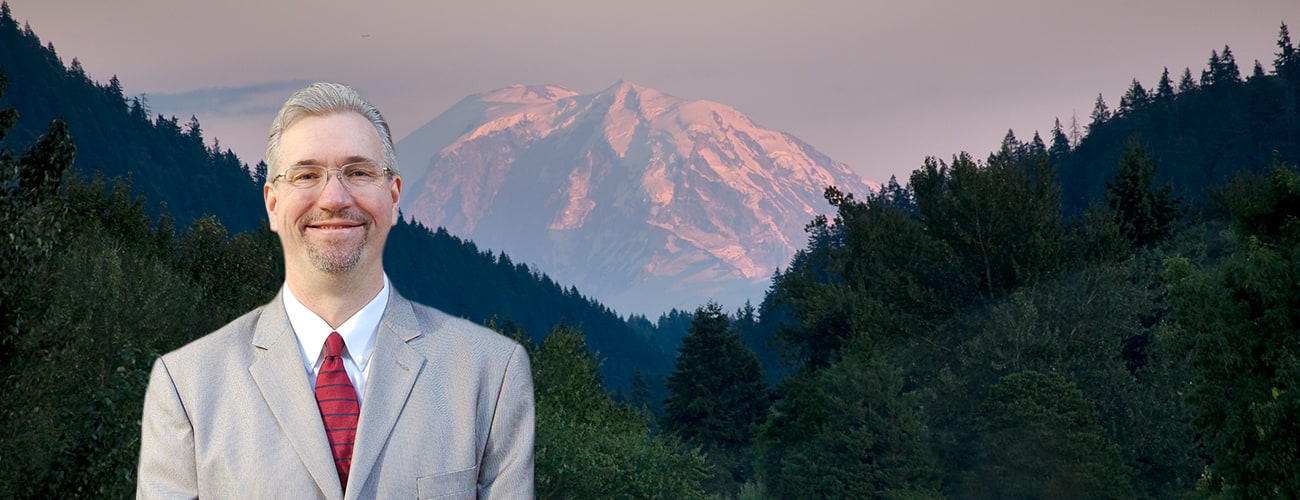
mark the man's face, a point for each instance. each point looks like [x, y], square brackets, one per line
[334, 228]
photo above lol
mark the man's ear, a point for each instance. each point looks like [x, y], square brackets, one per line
[272, 204]
[397, 197]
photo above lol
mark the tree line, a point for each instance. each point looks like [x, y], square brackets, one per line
[975, 334]
[971, 334]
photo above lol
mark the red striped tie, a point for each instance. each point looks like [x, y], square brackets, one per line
[338, 405]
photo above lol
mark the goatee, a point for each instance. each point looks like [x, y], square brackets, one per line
[336, 256]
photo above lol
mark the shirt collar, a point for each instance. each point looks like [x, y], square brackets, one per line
[358, 331]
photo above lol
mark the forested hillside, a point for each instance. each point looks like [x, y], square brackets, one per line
[1109, 317]
[166, 160]
[1202, 127]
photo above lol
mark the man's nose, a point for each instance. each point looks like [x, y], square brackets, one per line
[335, 192]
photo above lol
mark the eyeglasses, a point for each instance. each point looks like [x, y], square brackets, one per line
[362, 174]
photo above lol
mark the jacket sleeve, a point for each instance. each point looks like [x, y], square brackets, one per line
[506, 470]
[167, 460]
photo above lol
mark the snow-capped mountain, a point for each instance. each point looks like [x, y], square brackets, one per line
[642, 200]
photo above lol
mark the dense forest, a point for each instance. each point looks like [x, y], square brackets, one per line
[1107, 314]
[1115, 315]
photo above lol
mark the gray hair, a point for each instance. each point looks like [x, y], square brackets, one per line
[319, 99]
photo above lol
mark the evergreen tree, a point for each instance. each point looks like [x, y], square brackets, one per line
[259, 173]
[1134, 99]
[1036, 146]
[1145, 215]
[1186, 83]
[1010, 145]
[115, 89]
[77, 71]
[640, 396]
[1100, 114]
[1212, 69]
[716, 397]
[588, 446]
[1229, 72]
[850, 431]
[1287, 63]
[1221, 69]
[1060, 144]
[1165, 88]
[897, 196]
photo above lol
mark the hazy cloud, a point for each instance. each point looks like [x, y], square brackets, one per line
[248, 100]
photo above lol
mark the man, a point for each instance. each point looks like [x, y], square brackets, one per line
[339, 387]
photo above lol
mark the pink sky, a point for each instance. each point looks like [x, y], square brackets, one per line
[877, 85]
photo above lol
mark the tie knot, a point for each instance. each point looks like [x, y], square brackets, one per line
[334, 345]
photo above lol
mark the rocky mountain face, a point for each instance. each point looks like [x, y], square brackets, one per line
[642, 200]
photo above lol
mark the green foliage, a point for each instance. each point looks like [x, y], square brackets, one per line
[848, 431]
[1094, 326]
[109, 299]
[93, 290]
[1001, 221]
[1240, 327]
[1039, 351]
[1037, 437]
[716, 397]
[588, 446]
[875, 271]
[1145, 215]
[1095, 236]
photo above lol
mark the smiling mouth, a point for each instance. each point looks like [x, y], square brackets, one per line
[343, 222]
[335, 228]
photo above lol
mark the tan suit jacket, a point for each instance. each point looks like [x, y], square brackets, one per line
[448, 413]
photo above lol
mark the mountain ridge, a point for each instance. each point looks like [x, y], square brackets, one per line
[621, 188]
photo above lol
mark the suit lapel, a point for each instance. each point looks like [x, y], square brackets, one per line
[280, 376]
[394, 368]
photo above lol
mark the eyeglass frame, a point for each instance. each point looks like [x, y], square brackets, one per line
[330, 173]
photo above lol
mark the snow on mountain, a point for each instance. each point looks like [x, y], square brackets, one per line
[643, 200]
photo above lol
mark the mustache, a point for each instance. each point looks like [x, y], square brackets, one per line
[349, 214]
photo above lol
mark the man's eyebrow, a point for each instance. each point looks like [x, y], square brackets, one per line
[358, 159]
[347, 160]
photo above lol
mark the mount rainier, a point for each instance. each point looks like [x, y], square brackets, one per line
[642, 200]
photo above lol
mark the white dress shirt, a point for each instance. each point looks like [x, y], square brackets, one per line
[358, 334]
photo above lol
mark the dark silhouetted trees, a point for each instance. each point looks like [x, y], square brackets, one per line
[1145, 214]
[716, 397]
